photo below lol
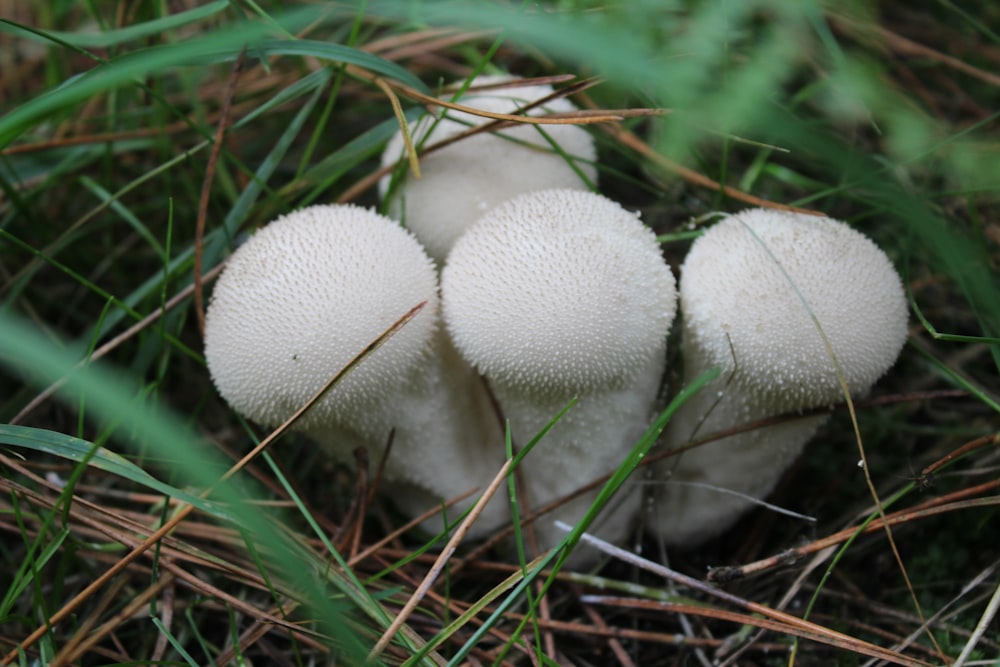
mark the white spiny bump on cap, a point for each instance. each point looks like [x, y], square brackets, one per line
[462, 181]
[307, 293]
[560, 294]
[750, 288]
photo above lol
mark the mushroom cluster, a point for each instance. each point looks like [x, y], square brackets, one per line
[551, 294]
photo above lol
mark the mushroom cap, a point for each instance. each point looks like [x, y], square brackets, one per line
[742, 290]
[301, 298]
[462, 181]
[557, 292]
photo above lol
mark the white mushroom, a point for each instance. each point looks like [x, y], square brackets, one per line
[307, 293]
[560, 294]
[462, 181]
[756, 291]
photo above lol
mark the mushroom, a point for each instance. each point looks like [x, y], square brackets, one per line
[462, 181]
[305, 295]
[560, 294]
[784, 302]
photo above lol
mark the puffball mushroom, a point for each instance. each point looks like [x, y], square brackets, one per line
[560, 294]
[756, 290]
[462, 181]
[305, 295]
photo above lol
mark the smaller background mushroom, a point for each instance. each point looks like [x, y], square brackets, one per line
[460, 182]
[750, 289]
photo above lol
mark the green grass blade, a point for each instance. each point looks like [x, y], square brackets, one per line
[561, 552]
[223, 44]
[111, 397]
[119, 35]
[79, 450]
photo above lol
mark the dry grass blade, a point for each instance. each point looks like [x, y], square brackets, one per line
[932, 508]
[908, 47]
[176, 127]
[206, 188]
[404, 127]
[441, 561]
[96, 522]
[181, 514]
[424, 40]
[811, 631]
[805, 414]
[88, 637]
[370, 179]
[616, 646]
[604, 631]
[981, 627]
[553, 119]
[952, 502]
[627, 138]
[115, 342]
[379, 545]
[773, 619]
[382, 339]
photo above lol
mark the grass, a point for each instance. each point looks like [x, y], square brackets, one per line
[140, 140]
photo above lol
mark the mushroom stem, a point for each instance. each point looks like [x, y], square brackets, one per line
[589, 442]
[450, 443]
[704, 490]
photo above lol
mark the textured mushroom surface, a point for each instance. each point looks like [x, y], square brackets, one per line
[769, 296]
[782, 270]
[462, 181]
[559, 292]
[556, 295]
[302, 297]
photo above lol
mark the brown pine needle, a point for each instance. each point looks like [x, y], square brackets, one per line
[440, 563]
[115, 342]
[206, 188]
[956, 501]
[185, 510]
[404, 127]
[580, 118]
[772, 618]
